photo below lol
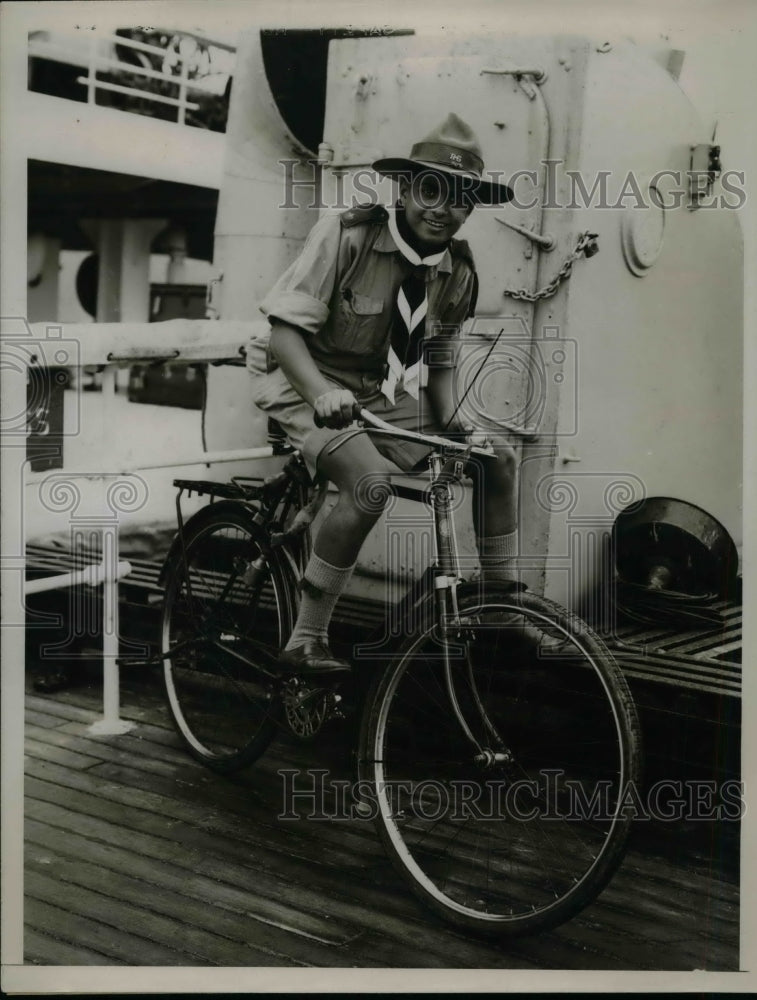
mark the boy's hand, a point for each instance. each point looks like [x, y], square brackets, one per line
[478, 439]
[335, 408]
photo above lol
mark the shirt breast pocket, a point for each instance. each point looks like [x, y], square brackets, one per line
[359, 328]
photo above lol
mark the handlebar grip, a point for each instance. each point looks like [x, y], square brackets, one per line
[356, 412]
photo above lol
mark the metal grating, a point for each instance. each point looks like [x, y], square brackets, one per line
[707, 660]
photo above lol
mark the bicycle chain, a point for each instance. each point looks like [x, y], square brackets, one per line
[585, 247]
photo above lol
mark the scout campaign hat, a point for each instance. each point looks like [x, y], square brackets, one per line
[451, 149]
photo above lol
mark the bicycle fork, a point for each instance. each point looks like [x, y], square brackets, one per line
[448, 616]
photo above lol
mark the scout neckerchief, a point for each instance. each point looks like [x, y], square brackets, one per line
[405, 360]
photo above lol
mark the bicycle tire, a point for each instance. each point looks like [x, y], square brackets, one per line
[224, 710]
[486, 868]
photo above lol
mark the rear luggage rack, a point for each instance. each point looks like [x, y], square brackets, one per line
[234, 490]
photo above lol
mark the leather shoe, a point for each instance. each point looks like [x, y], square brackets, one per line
[312, 658]
[550, 643]
[543, 641]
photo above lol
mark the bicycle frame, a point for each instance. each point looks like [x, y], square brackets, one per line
[446, 576]
[290, 489]
[446, 581]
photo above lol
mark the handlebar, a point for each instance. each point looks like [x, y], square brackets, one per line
[444, 444]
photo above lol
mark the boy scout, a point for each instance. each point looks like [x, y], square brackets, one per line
[352, 320]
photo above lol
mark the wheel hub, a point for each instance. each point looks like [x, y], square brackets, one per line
[489, 758]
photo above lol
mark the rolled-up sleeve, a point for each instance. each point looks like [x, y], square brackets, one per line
[301, 295]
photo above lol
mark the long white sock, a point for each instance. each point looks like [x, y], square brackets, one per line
[322, 586]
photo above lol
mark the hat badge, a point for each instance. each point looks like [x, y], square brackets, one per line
[452, 148]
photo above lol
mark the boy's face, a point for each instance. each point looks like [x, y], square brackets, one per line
[435, 207]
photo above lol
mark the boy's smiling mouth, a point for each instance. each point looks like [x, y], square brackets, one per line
[435, 228]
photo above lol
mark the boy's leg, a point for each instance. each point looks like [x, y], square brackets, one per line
[359, 472]
[495, 512]
[495, 481]
[495, 518]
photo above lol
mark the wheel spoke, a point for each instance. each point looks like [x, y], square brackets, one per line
[220, 687]
[518, 839]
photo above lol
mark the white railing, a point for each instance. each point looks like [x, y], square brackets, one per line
[112, 345]
[99, 54]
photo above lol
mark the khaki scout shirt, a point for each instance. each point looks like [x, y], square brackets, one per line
[341, 291]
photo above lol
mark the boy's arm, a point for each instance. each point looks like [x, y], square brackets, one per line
[442, 393]
[333, 406]
[442, 385]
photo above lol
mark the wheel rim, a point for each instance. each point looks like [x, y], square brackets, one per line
[221, 705]
[464, 832]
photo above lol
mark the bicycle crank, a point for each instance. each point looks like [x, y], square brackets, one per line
[307, 708]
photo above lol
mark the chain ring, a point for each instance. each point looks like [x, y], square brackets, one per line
[307, 708]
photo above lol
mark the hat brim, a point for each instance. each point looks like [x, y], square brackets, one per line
[482, 191]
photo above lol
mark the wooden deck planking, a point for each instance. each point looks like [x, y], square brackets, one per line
[42, 949]
[208, 933]
[179, 846]
[157, 837]
[253, 800]
[171, 939]
[312, 914]
[327, 754]
[68, 927]
[250, 826]
[191, 892]
[254, 808]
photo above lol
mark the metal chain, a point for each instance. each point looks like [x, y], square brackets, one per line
[585, 247]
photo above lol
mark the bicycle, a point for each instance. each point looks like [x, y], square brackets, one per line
[498, 743]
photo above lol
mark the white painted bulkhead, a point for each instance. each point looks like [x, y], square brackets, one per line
[634, 383]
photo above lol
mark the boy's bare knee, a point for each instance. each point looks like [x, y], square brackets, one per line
[506, 458]
[362, 476]
[363, 492]
[502, 469]
[499, 476]
[371, 493]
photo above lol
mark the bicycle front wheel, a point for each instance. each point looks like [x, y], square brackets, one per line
[227, 611]
[513, 819]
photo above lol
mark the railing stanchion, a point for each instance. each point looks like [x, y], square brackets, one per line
[183, 88]
[111, 724]
[92, 69]
[110, 570]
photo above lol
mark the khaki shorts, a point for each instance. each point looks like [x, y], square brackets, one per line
[274, 395]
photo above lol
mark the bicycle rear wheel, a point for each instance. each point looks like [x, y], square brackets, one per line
[520, 832]
[226, 613]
